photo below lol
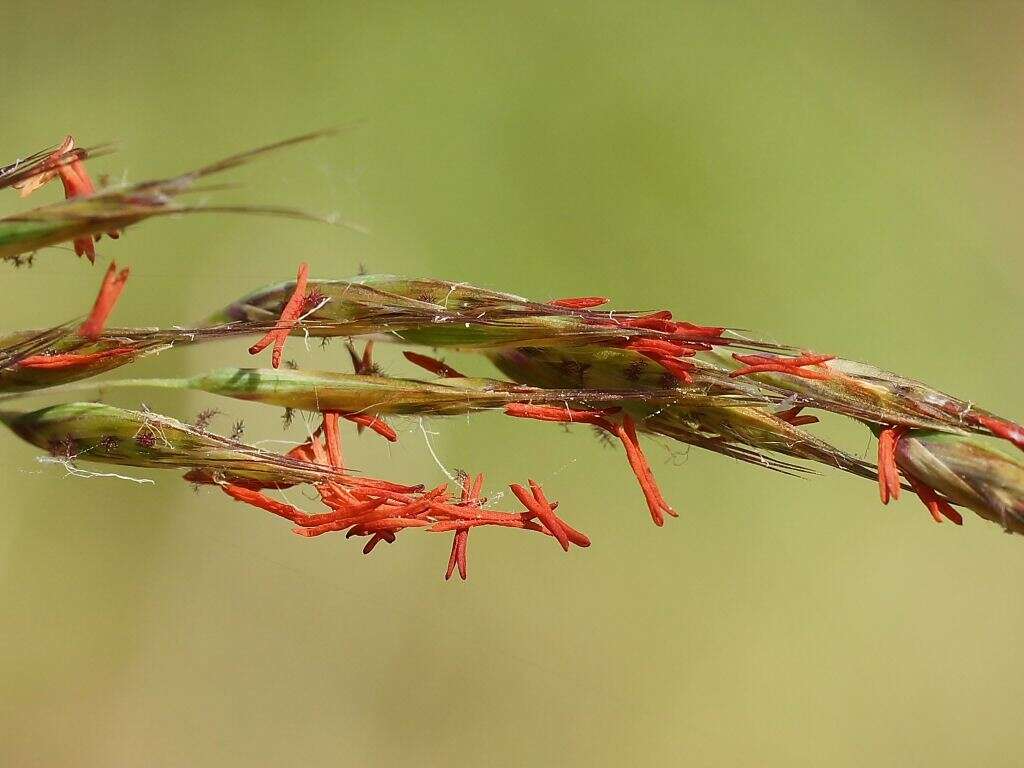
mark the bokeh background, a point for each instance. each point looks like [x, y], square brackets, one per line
[843, 176]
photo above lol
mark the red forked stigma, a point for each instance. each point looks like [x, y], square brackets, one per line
[794, 366]
[289, 317]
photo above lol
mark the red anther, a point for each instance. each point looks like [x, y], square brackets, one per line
[678, 368]
[376, 423]
[66, 162]
[662, 321]
[661, 314]
[364, 515]
[539, 506]
[478, 486]
[381, 486]
[433, 365]
[638, 462]
[77, 183]
[660, 347]
[75, 179]
[888, 471]
[506, 521]
[793, 366]
[575, 537]
[579, 302]
[559, 414]
[650, 324]
[72, 360]
[289, 317]
[332, 437]
[699, 331]
[1001, 428]
[938, 506]
[458, 555]
[206, 477]
[257, 499]
[340, 519]
[392, 524]
[110, 289]
[365, 492]
[470, 496]
[626, 432]
[792, 416]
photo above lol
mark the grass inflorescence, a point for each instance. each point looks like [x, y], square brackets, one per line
[630, 375]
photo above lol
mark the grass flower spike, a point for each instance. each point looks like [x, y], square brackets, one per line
[633, 375]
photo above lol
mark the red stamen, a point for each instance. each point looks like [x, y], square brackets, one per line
[77, 183]
[433, 365]
[700, 331]
[110, 291]
[458, 555]
[938, 506]
[888, 471]
[794, 366]
[579, 302]
[661, 314]
[332, 437]
[289, 317]
[679, 369]
[72, 360]
[1001, 428]
[470, 495]
[257, 499]
[374, 422]
[626, 432]
[539, 506]
[662, 321]
[661, 348]
[638, 461]
[560, 415]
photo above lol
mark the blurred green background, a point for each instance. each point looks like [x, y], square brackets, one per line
[843, 176]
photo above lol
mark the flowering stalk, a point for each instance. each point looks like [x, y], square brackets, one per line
[568, 360]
